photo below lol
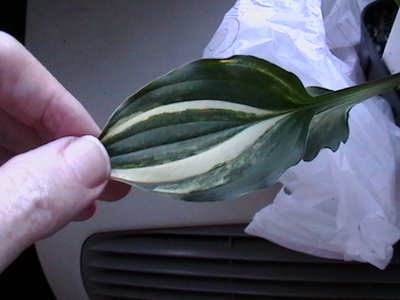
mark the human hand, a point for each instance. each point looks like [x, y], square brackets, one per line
[48, 175]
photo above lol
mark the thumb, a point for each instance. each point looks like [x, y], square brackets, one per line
[44, 189]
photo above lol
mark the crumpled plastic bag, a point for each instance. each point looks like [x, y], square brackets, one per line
[341, 205]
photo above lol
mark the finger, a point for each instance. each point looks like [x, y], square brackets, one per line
[115, 191]
[15, 136]
[44, 189]
[29, 93]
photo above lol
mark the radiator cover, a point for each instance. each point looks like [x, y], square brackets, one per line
[221, 262]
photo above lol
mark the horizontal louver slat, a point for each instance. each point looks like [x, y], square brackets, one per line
[221, 262]
[246, 288]
[202, 246]
[247, 270]
[119, 292]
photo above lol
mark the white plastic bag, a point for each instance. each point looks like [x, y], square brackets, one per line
[341, 205]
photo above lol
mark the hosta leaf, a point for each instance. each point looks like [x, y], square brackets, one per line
[217, 128]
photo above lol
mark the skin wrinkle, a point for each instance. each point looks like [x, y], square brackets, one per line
[44, 212]
[17, 207]
[15, 136]
[52, 124]
[31, 194]
[46, 122]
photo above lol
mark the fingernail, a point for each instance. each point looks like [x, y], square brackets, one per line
[89, 160]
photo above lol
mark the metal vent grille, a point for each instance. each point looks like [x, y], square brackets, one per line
[221, 262]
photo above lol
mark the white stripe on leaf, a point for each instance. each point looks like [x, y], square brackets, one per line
[131, 120]
[199, 163]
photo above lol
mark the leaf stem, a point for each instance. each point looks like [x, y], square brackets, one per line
[361, 92]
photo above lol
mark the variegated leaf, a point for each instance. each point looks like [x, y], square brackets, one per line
[217, 128]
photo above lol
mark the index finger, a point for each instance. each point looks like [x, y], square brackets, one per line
[30, 94]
